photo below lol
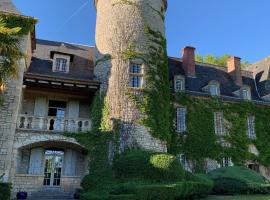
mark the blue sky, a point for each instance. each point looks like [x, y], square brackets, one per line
[236, 27]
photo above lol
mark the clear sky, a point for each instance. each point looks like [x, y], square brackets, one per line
[236, 27]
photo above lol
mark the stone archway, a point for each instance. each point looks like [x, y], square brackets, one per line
[30, 162]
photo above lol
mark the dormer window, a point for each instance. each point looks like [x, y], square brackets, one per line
[213, 88]
[136, 75]
[179, 84]
[246, 94]
[61, 65]
[61, 62]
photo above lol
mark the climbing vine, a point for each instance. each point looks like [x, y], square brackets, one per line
[201, 142]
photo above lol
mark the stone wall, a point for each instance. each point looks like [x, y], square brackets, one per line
[125, 21]
[9, 113]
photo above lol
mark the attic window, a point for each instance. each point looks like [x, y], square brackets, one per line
[179, 84]
[246, 94]
[61, 65]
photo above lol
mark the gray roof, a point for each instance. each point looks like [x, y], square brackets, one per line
[206, 73]
[261, 70]
[81, 67]
[8, 6]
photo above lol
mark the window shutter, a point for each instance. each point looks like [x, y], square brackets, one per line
[36, 161]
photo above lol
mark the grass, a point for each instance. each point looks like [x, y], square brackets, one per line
[240, 197]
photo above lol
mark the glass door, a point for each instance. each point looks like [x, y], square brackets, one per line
[53, 167]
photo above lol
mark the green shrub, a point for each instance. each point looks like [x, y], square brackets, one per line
[5, 190]
[237, 180]
[148, 165]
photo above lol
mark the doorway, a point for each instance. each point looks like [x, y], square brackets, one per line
[53, 167]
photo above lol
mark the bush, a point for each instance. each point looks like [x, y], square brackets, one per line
[238, 180]
[5, 190]
[148, 165]
[174, 191]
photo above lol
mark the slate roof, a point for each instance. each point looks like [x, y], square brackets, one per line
[82, 67]
[8, 6]
[261, 70]
[206, 73]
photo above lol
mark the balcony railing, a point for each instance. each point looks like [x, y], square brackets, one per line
[53, 124]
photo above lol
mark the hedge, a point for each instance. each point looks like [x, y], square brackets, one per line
[148, 166]
[173, 191]
[238, 180]
[5, 190]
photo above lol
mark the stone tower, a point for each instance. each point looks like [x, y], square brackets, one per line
[122, 40]
[12, 100]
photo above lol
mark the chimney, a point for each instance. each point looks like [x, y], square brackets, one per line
[234, 69]
[189, 61]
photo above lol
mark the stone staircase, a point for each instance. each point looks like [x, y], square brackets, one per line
[51, 194]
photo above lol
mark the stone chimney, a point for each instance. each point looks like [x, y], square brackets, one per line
[234, 69]
[189, 61]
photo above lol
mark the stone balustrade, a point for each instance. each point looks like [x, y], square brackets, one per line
[53, 124]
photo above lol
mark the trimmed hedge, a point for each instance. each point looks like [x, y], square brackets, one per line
[173, 191]
[148, 165]
[238, 180]
[5, 190]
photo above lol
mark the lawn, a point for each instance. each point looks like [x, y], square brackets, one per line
[243, 197]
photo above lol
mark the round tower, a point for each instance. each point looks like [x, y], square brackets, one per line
[129, 35]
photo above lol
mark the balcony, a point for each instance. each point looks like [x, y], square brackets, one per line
[54, 124]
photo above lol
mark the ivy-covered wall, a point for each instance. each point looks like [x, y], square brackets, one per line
[200, 140]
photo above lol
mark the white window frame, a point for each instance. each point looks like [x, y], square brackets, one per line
[181, 116]
[246, 93]
[136, 75]
[219, 123]
[57, 68]
[184, 162]
[251, 127]
[179, 83]
[227, 162]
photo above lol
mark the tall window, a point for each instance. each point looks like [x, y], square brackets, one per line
[227, 162]
[219, 123]
[136, 75]
[251, 127]
[61, 65]
[181, 120]
[179, 84]
[184, 162]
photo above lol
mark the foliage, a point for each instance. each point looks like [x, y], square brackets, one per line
[148, 165]
[217, 60]
[5, 190]
[234, 180]
[200, 142]
[154, 191]
[12, 28]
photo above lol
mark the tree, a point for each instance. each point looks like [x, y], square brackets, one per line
[10, 51]
[218, 60]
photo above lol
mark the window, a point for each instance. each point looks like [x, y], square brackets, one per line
[251, 127]
[227, 162]
[136, 75]
[219, 124]
[61, 65]
[184, 162]
[214, 90]
[181, 120]
[57, 108]
[246, 94]
[179, 84]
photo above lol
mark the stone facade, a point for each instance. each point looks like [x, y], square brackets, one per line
[126, 22]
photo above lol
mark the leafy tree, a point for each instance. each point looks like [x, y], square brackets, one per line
[217, 60]
[10, 51]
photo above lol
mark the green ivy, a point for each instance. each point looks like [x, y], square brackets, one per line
[26, 23]
[200, 141]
